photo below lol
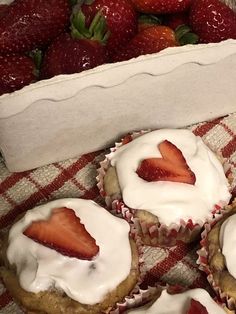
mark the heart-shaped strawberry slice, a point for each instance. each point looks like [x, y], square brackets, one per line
[171, 167]
[64, 233]
[196, 308]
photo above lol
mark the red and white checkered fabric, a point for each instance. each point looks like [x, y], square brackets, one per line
[77, 178]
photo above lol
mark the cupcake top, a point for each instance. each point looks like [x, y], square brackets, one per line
[172, 174]
[181, 302]
[101, 265]
[227, 243]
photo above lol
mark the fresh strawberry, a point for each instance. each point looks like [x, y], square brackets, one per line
[149, 40]
[183, 33]
[171, 167]
[196, 308]
[121, 19]
[3, 9]
[67, 55]
[161, 6]
[16, 72]
[212, 21]
[77, 52]
[175, 20]
[29, 24]
[64, 233]
[147, 20]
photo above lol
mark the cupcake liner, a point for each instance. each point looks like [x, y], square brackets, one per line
[142, 297]
[139, 298]
[157, 234]
[203, 264]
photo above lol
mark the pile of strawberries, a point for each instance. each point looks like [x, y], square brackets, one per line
[43, 38]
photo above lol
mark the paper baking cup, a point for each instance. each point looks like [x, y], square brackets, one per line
[153, 293]
[202, 261]
[139, 298]
[157, 234]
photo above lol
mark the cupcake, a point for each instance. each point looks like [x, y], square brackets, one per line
[167, 182]
[195, 301]
[217, 256]
[69, 256]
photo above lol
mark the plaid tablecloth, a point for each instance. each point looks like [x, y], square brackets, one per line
[77, 178]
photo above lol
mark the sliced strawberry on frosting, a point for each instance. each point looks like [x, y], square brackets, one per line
[196, 308]
[171, 167]
[171, 153]
[64, 233]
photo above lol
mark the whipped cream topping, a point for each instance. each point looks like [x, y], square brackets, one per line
[228, 243]
[40, 268]
[179, 303]
[172, 201]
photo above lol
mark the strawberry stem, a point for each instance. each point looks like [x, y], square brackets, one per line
[96, 31]
[98, 28]
[149, 19]
[78, 26]
[37, 56]
[185, 36]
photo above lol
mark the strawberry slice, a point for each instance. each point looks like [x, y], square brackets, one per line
[171, 167]
[196, 308]
[171, 153]
[64, 233]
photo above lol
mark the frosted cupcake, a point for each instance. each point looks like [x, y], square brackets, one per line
[69, 256]
[168, 182]
[196, 301]
[217, 256]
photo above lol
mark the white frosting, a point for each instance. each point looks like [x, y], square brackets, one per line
[179, 303]
[172, 201]
[40, 268]
[228, 243]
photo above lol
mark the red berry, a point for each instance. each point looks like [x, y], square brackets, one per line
[30, 24]
[121, 19]
[16, 72]
[149, 40]
[175, 20]
[3, 9]
[67, 55]
[161, 6]
[212, 21]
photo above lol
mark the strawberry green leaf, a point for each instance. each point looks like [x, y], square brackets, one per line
[96, 31]
[78, 25]
[150, 19]
[98, 28]
[185, 36]
[37, 56]
[189, 38]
